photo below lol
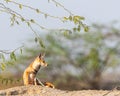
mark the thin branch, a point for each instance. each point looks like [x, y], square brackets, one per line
[42, 26]
[10, 51]
[19, 16]
[16, 15]
[12, 12]
[57, 3]
[4, 51]
[33, 30]
[34, 9]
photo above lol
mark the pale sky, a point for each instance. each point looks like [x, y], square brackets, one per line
[103, 11]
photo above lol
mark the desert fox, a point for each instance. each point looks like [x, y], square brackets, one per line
[29, 75]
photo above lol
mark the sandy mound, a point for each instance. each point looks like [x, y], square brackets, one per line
[44, 91]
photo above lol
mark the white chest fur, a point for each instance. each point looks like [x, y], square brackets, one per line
[36, 65]
[32, 76]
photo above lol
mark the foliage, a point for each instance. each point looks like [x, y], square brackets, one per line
[76, 57]
[17, 17]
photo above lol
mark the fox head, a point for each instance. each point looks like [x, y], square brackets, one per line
[39, 61]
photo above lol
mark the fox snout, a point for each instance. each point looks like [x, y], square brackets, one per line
[44, 64]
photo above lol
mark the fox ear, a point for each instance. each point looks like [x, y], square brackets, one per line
[41, 55]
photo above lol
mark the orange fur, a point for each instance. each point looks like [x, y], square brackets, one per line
[29, 75]
[48, 84]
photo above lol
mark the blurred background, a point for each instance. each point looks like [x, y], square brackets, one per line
[80, 60]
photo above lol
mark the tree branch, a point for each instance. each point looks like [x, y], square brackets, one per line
[10, 51]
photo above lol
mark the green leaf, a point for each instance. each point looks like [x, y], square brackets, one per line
[78, 29]
[20, 6]
[76, 19]
[65, 33]
[22, 19]
[21, 50]
[13, 19]
[13, 56]
[86, 28]
[82, 18]
[10, 62]
[41, 43]
[28, 23]
[65, 18]
[17, 22]
[2, 57]
[74, 29]
[37, 10]
[3, 66]
[32, 21]
[36, 39]
[70, 18]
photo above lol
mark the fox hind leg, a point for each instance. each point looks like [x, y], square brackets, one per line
[38, 82]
